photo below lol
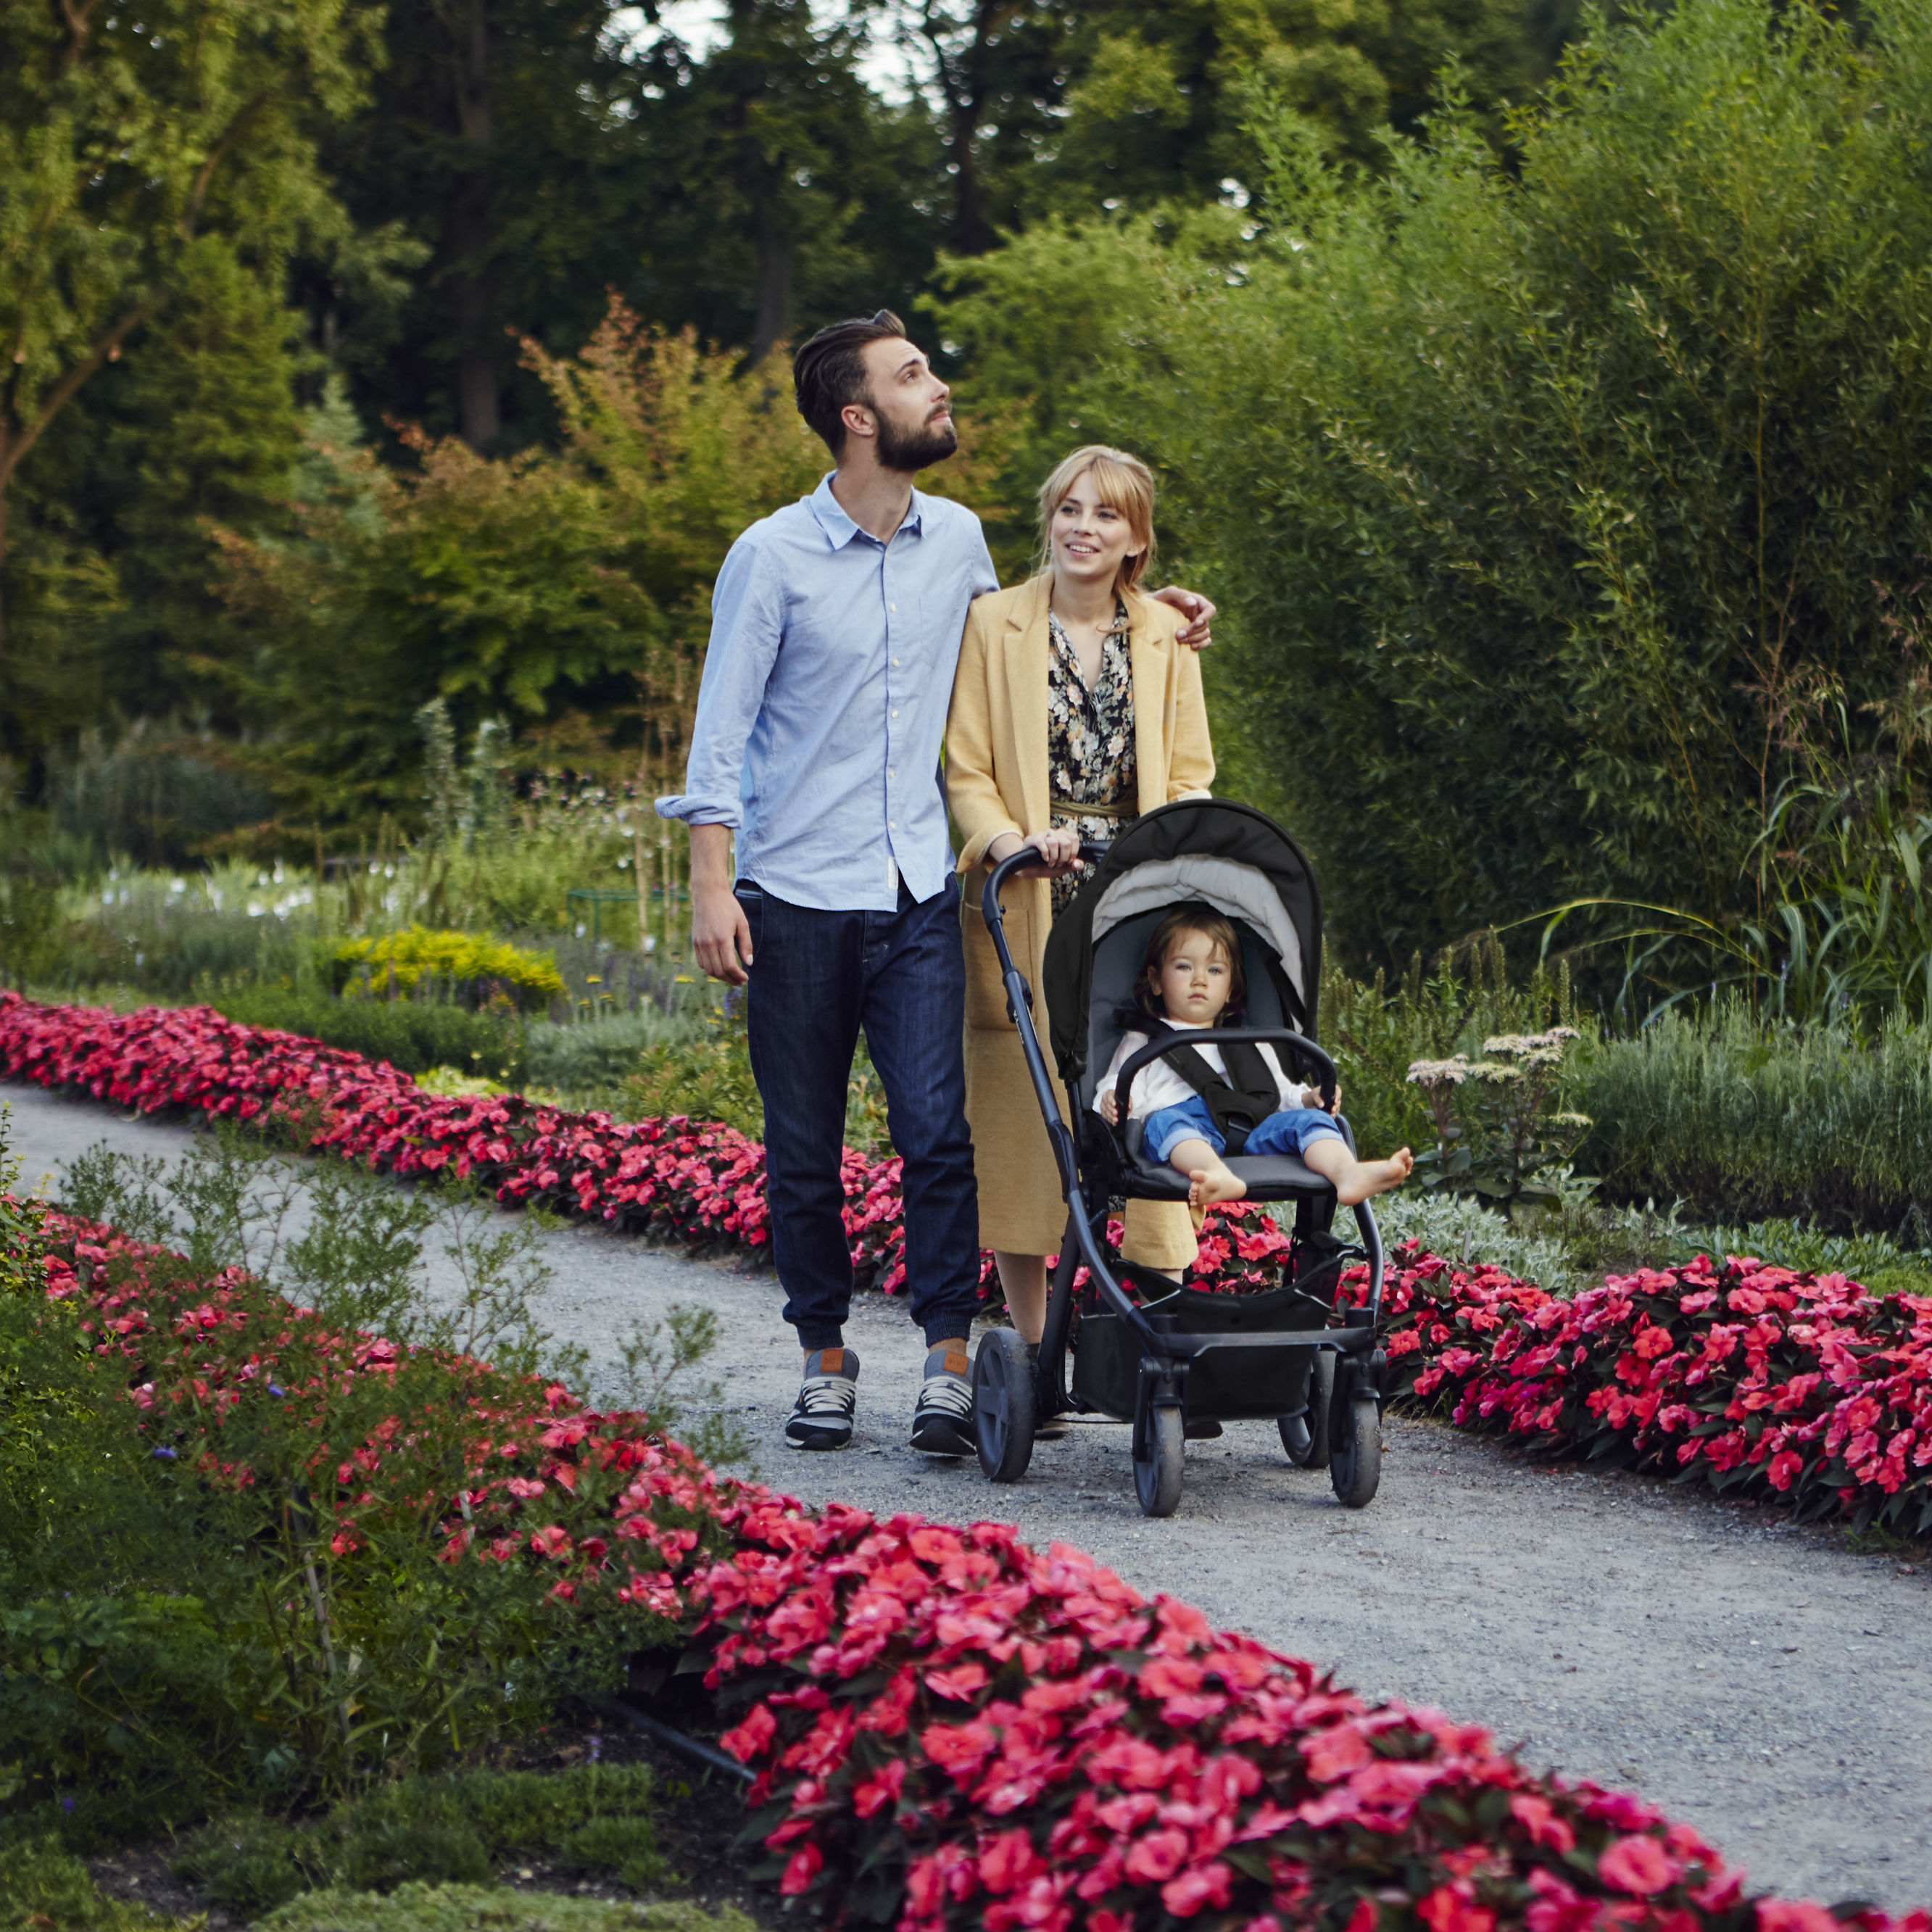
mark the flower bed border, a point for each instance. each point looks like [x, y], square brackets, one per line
[948, 1728]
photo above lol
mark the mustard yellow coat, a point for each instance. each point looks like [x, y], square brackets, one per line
[996, 781]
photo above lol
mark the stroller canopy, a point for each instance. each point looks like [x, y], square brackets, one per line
[1201, 852]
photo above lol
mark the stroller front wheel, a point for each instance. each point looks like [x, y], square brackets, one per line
[1305, 1438]
[1356, 1467]
[1157, 1476]
[1002, 1418]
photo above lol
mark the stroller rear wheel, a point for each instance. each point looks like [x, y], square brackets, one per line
[1157, 1476]
[1306, 1437]
[1356, 1439]
[1003, 1418]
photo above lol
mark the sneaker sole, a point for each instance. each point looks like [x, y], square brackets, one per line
[819, 1439]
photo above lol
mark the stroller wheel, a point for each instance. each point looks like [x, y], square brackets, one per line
[1157, 1480]
[1003, 1422]
[1306, 1437]
[1356, 1467]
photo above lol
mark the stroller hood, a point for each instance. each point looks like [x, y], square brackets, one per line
[1231, 857]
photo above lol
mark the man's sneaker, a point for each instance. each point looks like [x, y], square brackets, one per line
[821, 1418]
[942, 1422]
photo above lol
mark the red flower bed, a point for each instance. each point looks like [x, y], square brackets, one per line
[675, 1178]
[1750, 1378]
[949, 1729]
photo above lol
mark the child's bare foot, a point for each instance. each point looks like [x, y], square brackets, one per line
[1365, 1177]
[1208, 1185]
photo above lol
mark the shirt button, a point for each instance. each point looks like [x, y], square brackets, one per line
[895, 714]
[892, 771]
[892, 606]
[892, 825]
[895, 664]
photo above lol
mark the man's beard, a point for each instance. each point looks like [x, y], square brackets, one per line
[908, 452]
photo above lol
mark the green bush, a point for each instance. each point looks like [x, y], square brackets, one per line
[43, 1889]
[589, 1055]
[435, 1831]
[1743, 1120]
[414, 1035]
[457, 1908]
[1546, 496]
[1376, 1032]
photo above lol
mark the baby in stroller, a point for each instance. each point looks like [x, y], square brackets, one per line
[1195, 1106]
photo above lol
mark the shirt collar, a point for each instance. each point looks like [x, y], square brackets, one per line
[839, 529]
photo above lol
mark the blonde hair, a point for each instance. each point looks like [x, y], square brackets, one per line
[1124, 484]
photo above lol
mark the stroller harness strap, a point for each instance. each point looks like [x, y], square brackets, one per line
[1238, 1100]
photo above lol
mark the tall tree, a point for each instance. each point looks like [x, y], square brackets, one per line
[136, 153]
[503, 136]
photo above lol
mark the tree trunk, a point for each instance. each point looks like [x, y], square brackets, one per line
[6, 478]
[469, 233]
[774, 322]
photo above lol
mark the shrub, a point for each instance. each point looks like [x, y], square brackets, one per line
[462, 1908]
[1538, 486]
[434, 1830]
[1745, 1120]
[43, 1889]
[412, 1035]
[591, 1055]
[477, 971]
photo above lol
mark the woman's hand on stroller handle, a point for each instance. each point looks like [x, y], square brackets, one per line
[1058, 848]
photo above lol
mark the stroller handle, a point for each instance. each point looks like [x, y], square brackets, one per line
[1226, 1037]
[1019, 1010]
[1017, 862]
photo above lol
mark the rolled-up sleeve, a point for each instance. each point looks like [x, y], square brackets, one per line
[747, 620]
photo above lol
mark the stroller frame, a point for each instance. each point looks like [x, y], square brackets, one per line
[1338, 1423]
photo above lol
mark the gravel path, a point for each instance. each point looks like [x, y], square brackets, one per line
[1762, 1681]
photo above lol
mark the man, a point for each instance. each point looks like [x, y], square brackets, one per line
[835, 631]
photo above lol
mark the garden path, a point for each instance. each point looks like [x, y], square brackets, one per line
[1764, 1682]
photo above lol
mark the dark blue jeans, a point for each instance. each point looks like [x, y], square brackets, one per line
[816, 977]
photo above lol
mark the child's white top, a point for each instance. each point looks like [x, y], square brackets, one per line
[1157, 1085]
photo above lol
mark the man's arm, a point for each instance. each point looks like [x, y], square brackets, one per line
[745, 627]
[721, 938]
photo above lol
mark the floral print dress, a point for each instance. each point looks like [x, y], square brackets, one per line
[1091, 769]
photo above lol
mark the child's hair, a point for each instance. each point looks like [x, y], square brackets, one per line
[1211, 926]
[1121, 481]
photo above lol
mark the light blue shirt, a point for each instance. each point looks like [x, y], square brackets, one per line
[824, 701]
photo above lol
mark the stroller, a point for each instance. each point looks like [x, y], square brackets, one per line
[1166, 1357]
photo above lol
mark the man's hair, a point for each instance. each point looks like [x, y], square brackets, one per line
[1212, 927]
[830, 371]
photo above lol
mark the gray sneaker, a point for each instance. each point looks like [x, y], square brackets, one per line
[822, 1416]
[942, 1420]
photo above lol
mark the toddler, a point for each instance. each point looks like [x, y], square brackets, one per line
[1203, 1102]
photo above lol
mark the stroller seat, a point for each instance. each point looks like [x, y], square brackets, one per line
[1271, 1177]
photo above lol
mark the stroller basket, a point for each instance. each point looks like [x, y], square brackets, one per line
[1181, 1356]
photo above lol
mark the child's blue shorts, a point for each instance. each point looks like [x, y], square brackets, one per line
[1292, 1131]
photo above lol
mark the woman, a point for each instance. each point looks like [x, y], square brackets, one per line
[1075, 709]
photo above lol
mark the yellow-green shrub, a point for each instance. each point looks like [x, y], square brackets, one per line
[479, 968]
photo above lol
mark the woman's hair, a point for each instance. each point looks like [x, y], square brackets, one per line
[1211, 926]
[1123, 484]
[830, 371]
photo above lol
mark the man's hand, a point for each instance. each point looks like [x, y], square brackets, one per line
[1110, 1107]
[1196, 609]
[721, 937]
